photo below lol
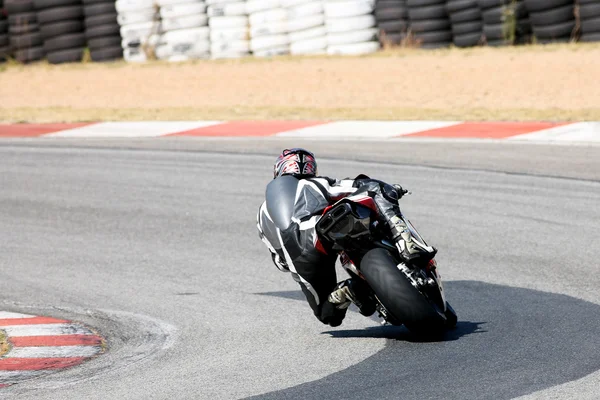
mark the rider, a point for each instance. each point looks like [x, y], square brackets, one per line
[296, 248]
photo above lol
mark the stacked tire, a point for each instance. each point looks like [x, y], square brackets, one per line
[552, 20]
[25, 40]
[102, 30]
[306, 26]
[467, 25]
[185, 32]
[430, 23]
[268, 28]
[139, 28]
[4, 42]
[62, 29]
[229, 35]
[589, 15]
[505, 22]
[392, 21]
[351, 27]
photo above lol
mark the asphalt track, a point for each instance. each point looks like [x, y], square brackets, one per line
[154, 244]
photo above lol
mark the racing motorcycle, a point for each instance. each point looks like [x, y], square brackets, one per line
[402, 292]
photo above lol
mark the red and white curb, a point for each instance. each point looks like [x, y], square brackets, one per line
[555, 132]
[39, 345]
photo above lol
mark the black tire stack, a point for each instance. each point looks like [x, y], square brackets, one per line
[24, 35]
[392, 21]
[429, 23]
[102, 30]
[467, 25]
[4, 42]
[552, 20]
[505, 22]
[589, 16]
[61, 26]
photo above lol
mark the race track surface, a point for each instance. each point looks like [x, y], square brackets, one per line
[155, 246]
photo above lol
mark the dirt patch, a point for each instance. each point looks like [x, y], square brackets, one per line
[4, 345]
[558, 82]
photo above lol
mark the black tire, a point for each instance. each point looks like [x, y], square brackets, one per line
[590, 26]
[21, 29]
[430, 26]
[394, 26]
[467, 28]
[26, 40]
[30, 54]
[454, 6]
[589, 11]
[93, 10]
[468, 39]
[487, 4]
[4, 53]
[383, 4]
[543, 5]
[86, 2]
[422, 3]
[22, 18]
[473, 14]
[564, 30]
[18, 6]
[398, 296]
[43, 4]
[493, 16]
[61, 28]
[3, 26]
[590, 37]
[497, 43]
[390, 14]
[494, 32]
[60, 14]
[427, 13]
[65, 56]
[103, 30]
[554, 16]
[392, 38]
[107, 54]
[64, 42]
[582, 2]
[4, 40]
[102, 42]
[434, 38]
[103, 19]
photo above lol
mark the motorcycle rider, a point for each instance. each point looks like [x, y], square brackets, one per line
[295, 246]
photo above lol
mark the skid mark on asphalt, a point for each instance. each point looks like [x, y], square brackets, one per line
[509, 342]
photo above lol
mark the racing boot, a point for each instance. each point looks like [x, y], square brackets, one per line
[410, 250]
[353, 291]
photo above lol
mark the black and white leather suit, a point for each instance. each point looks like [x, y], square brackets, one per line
[294, 244]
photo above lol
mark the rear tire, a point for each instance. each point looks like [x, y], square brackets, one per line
[399, 296]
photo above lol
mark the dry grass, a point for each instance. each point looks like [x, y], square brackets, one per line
[4, 345]
[557, 82]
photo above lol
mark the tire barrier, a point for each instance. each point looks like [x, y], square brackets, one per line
[589, 15]
[351, 27]
[102, 30]
[268, 28]
[184, 30]
[25, 39]
[466, 22]
[505, 22]
[552, 20]
[4, 40]
[229, 34]
[306, 26]
[61, 29]
[392, 21]
[430, 23]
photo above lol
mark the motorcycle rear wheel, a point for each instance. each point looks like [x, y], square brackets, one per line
[399, 296]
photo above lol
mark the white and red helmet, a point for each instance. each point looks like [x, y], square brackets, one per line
[296, 161]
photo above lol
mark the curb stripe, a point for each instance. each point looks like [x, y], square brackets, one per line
[7, 315]
[248, 128]
[32, 364]
[59, 340]
[46, 330]
[34, 130]
[31, 321]
[53, 352]
[132, 129]
[486, 130]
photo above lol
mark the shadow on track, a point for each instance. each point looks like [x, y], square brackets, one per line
[528, 341]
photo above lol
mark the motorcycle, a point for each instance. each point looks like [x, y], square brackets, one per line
[409, 293]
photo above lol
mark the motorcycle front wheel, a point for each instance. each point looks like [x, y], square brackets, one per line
[399, 296]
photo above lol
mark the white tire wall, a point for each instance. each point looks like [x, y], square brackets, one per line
[306, 26]
[229, 33]
[268, 28]
[184, 32]
[139, 23]
[351, 27]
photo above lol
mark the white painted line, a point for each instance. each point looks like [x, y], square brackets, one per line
[45, 330]
[53, 351]
[366, 129]
[132, 129]
[577, 132]
[15, 376]
[11, 315]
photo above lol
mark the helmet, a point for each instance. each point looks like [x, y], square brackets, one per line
[297, 162]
